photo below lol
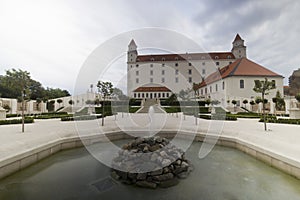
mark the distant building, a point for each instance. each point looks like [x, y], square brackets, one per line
[294, 83]
[155, 76]
[236, 82]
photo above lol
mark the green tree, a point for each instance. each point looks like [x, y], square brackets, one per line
[263, 87]
[118, 93]
[71, 102]
[298, 97]
[252, 104]
[279, 101]
[234, 102]
[105, 89]
[59, 101]
[19, 82]
[245, 101]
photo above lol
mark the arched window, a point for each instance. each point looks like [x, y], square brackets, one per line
[216, 57]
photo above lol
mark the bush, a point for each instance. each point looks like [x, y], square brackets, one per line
[281, 121]
[81, 118]
[17, 121]
[218, 117]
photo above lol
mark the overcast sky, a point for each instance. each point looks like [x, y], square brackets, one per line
[52, 38]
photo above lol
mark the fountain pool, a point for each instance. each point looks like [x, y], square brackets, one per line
[225, 173]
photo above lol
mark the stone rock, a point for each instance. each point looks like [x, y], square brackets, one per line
[163, 177]
[150, 162]
[141, 176]
[157, 172]
[146, 184]
[169, 183]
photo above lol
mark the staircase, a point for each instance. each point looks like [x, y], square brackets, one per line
[153, 103]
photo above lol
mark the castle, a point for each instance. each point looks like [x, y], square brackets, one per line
[221, 76]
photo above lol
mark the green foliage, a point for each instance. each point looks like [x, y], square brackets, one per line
[279, 101]
[71, 102]
[17, 82]
[298, 97]
[16, 121]
[234, 102]
[218, 117]
[258, 100]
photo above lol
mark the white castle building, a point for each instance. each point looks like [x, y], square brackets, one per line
[221, 76]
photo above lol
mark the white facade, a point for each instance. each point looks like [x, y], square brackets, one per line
[174, 71]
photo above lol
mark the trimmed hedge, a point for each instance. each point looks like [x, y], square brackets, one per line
[16, 121]
[52, 116]
[281, 121]
[218, 117]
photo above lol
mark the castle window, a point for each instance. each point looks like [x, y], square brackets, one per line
[190, 79]
[162, 72]
[176, 58]
[242, 84]
[216, 87]
[137, 65]
[201, 91]
[136, 80]
[203, 71]
[163, 80]
[229, 57]
[176, 71]
[163, 59]
[151, 65]
[134, 95]
[210, 89]
[176, 79]
[205, 90]
[216, 57]
[203, 63]
[274, 83]
[151, 80]
[223, 85]
[130, 66]
[217, 63]
[163, 95]
[137, 73]
[190, 71]
[151, 72]
[152, 59]
[190, 64]
[163, 64]
[176, 64]
[139, 95]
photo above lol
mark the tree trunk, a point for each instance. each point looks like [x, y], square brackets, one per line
[103, 111]
[23, 117]
[264, 113]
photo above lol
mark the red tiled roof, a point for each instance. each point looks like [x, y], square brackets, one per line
[152, 89]
[241, 67]
[187, 56]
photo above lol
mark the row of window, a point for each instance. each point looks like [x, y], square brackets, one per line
[163, 72]
[189, 58]
[190, 79]
[151, 95]
[176, 64]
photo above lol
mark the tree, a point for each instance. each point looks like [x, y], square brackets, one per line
[258, 100]
[263, 87]
[184, 94]
[118, 93]
[279, 101]
[252, 104]
[38, 101]
[19, 82]
[71, 102]
[298, 97]
[234, 102]
[105, 89]
[245, 101]
[59, 101]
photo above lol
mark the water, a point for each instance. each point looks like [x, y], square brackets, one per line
[224, 174]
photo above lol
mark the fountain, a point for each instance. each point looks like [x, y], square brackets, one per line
[151, 161]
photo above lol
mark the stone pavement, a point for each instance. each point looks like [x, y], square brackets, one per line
[281, 139]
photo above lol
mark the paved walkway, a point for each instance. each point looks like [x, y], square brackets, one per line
[281, 139]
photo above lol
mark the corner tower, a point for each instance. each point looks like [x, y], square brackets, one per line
[132, 52]
[238, 47]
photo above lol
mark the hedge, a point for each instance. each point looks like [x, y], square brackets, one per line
[218, 117]
[281, 121]
[52, 116]
[17, 121]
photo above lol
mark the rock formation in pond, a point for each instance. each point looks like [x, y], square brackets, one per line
[150, 162]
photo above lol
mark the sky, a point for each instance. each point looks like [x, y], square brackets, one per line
[52, 39]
